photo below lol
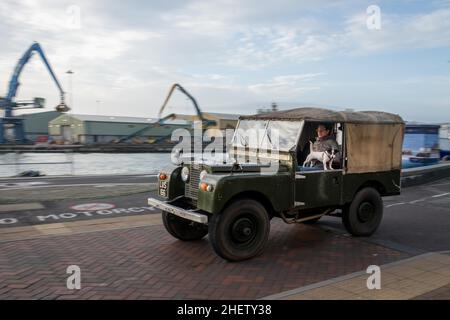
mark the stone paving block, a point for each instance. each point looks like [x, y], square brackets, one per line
[403, 271]
[355, 285]
[385, 294]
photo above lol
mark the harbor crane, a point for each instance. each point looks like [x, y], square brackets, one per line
[161, 120]
[8, 103]
[205, 122]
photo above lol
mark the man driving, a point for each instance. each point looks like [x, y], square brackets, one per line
[325, 142]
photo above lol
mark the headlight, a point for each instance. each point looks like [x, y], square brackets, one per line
[203, 174]
[185, 174]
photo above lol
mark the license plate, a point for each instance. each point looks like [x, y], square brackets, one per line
[163, 188]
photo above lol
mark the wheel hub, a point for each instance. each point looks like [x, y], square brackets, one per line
[243, 230]
[366, 211]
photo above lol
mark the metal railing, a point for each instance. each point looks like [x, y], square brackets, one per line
[17, 164]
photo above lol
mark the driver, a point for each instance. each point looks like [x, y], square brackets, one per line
[325, 142]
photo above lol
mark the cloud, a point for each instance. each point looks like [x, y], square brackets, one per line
[311, 39]
[285, 87]
[427, 30]
[227, 52]
[294, 43]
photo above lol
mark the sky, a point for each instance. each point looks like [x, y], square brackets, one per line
[233, 56]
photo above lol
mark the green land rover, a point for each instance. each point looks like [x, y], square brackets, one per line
[234, 201]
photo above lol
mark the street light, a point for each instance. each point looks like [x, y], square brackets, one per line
[70, 73]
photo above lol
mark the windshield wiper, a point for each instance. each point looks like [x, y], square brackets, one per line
[269, 138]
[245, 144]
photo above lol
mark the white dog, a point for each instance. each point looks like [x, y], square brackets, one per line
[325, 157]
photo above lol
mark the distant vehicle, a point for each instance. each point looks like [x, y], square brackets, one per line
[42, 139]
[233, 202]
[421, 145]
[444, 141]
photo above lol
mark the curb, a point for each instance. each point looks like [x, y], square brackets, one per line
[285, 294]
[421, 175]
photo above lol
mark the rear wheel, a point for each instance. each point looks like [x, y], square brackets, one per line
[241, 231]
[363, 216]
[183, 229]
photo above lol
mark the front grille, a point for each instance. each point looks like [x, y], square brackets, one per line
[191, 190]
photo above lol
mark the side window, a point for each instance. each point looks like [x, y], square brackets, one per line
[315, 132]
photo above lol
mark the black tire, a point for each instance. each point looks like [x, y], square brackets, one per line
[363, 216]
[241, 231]
[183, 229]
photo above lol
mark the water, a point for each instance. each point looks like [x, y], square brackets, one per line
[85, 163]
[96, 163]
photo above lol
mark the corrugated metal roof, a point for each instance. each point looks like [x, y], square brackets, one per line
[177, 122]
[220, 116]
[325, 115]
[225, 116]
[95, 118]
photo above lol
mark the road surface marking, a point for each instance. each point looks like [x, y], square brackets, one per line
[13, 185]
[84, 185]
[51, 177]
[395, 204]
[440, 195]
[418, 200]
[93, 206]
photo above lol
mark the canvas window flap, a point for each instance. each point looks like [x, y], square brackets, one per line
[373, 147]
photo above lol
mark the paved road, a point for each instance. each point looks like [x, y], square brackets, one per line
[147, 263]
[417, 220]
[36, 182]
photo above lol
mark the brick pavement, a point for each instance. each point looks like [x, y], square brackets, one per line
[147, 263]
[418, 277]
[442, 293]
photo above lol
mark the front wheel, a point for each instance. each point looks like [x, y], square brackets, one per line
[183, 229]
[363, 216]
[241, 231]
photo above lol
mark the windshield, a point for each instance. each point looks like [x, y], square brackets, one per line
[267, 135]
[248, 133]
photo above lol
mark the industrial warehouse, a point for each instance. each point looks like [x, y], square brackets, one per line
[87, 129]
[55, 127]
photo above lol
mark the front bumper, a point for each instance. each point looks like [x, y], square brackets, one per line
[180, 212]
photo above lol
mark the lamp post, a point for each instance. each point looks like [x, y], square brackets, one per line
[70, 73]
